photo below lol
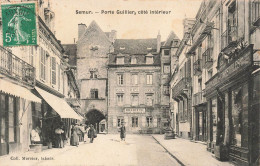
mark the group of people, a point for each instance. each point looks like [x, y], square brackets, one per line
[79, 131]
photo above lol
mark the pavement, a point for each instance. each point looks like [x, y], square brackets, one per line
[107, 150]
[189, 153]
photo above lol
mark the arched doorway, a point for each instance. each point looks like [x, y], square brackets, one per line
[94, 117]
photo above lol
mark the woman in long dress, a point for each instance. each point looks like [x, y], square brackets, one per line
[74, 136]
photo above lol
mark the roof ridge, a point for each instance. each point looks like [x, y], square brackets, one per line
[94, 24]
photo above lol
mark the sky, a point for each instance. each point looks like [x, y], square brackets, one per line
[128, 26]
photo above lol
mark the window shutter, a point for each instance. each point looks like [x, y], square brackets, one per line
[53, 70]
[154, 122]
[114, 121]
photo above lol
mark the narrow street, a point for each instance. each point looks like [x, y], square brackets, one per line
[108, 150]
[138, 150]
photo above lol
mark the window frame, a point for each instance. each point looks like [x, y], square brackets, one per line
[94, 93]
[135, 121]
[149, 121]
[120, 60]
[120, 79]
[151, 60]
[135, 79]
[152, 99]
[120, 119]
[120, 100]
[132, 97]
[149, 79]
[168, 52]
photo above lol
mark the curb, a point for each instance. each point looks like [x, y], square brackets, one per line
[181, 163]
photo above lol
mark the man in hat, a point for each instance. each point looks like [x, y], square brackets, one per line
[122, 131]
[91, 133]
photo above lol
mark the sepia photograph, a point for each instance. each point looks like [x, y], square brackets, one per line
[130, 82]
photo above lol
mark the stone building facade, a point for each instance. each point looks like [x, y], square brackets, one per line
[36, 75]
[134, 86]
[93, 46]
[223, 48]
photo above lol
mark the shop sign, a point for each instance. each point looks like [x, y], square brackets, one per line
[234, 68]
[134, 110]
[19, 24]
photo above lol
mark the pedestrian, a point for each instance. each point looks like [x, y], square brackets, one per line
[86, 133]
[122, 132]
[63, 136]
[92, 133]
[58, 132]
[74, 136]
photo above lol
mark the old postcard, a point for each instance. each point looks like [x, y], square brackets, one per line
[129, 82]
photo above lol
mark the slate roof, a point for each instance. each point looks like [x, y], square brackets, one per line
[71, 51]
[172, 36]
[135, 46]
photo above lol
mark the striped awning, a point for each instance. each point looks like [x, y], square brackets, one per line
[59, 105]
[18, 91]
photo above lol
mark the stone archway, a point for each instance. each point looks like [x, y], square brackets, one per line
[94, 117]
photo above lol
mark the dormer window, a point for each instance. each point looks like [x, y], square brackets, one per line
[166, 52]
[133, 60]
[122, 48]
[120, 60]
[149, 59]
[93, 48]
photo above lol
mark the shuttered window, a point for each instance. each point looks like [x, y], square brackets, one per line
[42, 64]
[59, 76]
[53, 70]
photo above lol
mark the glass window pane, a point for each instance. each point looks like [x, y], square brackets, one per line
[214, 118]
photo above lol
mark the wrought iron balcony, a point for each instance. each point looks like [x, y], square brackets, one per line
[256, 12]
[181, 86]
[15, 68]
[208, 58]
[197, 67]
[229, 37]
[198, 98]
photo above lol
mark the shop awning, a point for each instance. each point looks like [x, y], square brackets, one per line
[59, 105]
[18, 91]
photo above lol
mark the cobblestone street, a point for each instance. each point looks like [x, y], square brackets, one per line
[106, 150]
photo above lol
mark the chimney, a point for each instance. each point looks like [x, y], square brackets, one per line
[158, 42]
[81, 30]
[112, 35]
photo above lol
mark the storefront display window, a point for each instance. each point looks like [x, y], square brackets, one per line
[240, 116]
[3, 119]
[11, 119]
[214, 118]
[200, 123]
[237, 116]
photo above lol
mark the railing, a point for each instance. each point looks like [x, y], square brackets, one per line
[16, 68]
[208, 58]
[228, 36]
[256, 12]
[224, 41]
[184, 83]
[198, 98]
[197, 67]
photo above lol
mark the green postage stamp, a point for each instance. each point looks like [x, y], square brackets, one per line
[19, 24]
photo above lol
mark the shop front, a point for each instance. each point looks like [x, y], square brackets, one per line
[56, 113]
[230, 115]
[200, 123]
[15, 117]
